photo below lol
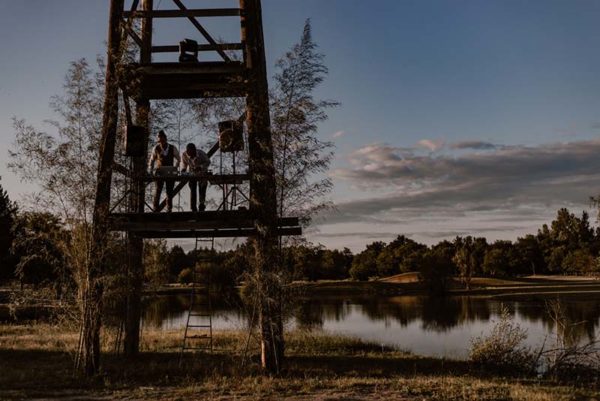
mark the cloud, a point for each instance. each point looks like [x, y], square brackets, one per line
[338, 134]
[517, 183]
[431, 145]
[474, 145]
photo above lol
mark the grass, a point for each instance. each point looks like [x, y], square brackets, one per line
[36, 361]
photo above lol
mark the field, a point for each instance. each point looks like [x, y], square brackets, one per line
[36, 362]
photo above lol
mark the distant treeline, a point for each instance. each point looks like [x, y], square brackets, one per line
[32, 251]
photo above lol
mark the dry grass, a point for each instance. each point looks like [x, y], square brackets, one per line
[36, 361]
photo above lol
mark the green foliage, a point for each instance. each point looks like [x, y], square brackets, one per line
[155, 262]
[364, 264]
[301, 157]
[400, 256]
[37, 248]
[185, 276]
[176, 261]
[8, 214]
[436, 268]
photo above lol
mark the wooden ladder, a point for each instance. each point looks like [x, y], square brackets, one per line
[198, 335]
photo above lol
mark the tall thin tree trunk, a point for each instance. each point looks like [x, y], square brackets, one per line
[88, 361]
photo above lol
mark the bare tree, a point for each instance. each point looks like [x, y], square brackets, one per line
[63, 166]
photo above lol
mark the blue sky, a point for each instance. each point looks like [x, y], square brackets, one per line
[457, 117]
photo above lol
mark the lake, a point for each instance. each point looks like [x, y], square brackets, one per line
[431, 326]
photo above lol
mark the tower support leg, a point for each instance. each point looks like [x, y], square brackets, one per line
[263, 203]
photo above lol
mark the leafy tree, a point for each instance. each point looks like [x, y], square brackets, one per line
[37, 248]
[176, 261]
[155, 262]
[336, 264]
[496, 261]
[8, 213]
[579, 261]
[436, 268]
[300, 157]
[530, 254]
[465, 259]
[400, 256]
[364, 264]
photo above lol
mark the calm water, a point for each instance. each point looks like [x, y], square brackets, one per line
[420, 324]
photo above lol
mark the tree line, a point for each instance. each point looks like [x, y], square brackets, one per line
[34, 252]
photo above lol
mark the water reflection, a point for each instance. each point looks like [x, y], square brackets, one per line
[441, 326]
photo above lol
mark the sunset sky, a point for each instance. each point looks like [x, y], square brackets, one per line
[457, 117]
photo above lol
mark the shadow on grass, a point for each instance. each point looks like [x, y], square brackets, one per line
[34, 372]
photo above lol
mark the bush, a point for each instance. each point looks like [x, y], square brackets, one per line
[503, 349]
[185, 276]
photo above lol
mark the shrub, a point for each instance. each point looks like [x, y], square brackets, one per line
[185, 276]
[503, 349]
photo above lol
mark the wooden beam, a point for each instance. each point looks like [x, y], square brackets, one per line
[132, 34]
[284, 231]
[203, 31]
[187, 13]
[119, 168]
[231, 216]
[213, 150]
[201, 48]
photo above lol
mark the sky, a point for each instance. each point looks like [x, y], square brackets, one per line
[457, 117]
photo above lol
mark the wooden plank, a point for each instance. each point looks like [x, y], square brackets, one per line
[135, 227]
[201, 48]
[213, 179]
[202, 217]
[184, 216]
[202, 31]
[187, 13]
[213, 150]
[285, 231]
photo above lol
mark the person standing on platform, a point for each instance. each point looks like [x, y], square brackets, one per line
[164, 155]
[196, 161]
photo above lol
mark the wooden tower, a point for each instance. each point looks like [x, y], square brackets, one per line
[147, 80]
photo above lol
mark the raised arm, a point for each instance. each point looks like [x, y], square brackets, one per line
[152, 159]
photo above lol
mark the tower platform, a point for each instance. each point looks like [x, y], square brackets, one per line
[185, 80]
[218, 224]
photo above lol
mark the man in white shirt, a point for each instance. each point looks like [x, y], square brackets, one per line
[196, 161]
[164, 155]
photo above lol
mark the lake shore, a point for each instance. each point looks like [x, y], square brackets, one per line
[409, 284]
[36, 362]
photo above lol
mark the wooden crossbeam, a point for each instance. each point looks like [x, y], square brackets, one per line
[132, 34]
[211, 220]
[187, 13]
[248, 232]
[201, 48]
[203, 31]
[119, 168]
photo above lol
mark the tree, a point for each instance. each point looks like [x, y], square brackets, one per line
[37, 248]
[300, 156]
[468, 257]
[436, 267]
[401, 256]
[63, 166]
[8, 213]
[364, 264]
